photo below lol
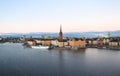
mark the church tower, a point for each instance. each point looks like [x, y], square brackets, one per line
[60, 34]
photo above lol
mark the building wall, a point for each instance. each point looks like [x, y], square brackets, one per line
[113, 43]
[90, 42]
[31, 43]
[78, 43]
[106, 41]
[95, 42]
[38, 41]
[46, 42]
[100, 42]
[60, 44]
[54, 42]
[65, 43]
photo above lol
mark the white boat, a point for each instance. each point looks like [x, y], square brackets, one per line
[40, 47]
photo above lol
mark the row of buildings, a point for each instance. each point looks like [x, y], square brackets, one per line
[76, 42]
[10, 39]
[103, 42]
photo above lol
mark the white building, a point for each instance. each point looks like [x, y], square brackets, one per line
[38, 41]
[55, 42]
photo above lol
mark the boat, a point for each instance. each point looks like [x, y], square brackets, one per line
[40, 47]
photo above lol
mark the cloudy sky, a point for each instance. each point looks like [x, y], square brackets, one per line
[46, 15]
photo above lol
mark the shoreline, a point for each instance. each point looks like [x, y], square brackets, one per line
[78, 48]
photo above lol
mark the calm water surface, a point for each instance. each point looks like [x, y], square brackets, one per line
[17, 60]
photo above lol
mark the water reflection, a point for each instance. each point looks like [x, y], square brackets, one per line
[77, 51]
[60, 50]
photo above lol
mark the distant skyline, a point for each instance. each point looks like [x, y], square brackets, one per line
[23, 16]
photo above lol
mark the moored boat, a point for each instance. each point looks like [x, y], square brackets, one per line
[40, 47]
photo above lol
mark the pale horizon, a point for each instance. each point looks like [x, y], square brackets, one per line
[26, 16]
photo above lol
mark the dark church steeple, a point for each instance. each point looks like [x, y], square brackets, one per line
[60, 34]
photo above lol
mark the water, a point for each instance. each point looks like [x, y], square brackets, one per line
[17, 60]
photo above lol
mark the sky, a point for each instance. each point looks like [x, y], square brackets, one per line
[23, 16]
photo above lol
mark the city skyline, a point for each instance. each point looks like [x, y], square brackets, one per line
[46, 16]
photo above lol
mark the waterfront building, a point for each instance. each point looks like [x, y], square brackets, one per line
[62, 43]
[94, 42]
[38, 41]
[114, 41]
[88, 42]
[100, 42]
[106, 41]
[54, 42]
[46, 42]
[77, 43]
[30, 41]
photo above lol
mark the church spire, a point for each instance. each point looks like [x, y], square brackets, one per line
[60, 28]
[60, 34]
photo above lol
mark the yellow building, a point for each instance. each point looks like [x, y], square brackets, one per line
[113, 43]
[94, 42]
[45, 42]
[62, 44]
[30, 43]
